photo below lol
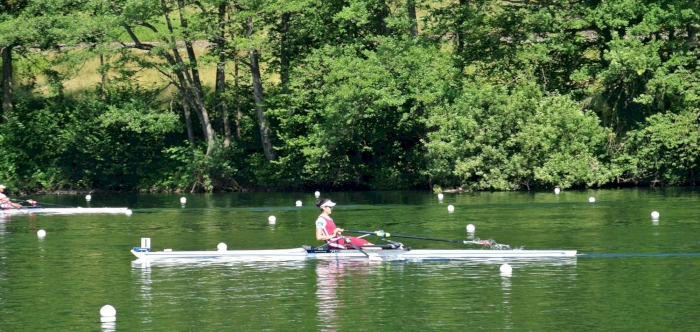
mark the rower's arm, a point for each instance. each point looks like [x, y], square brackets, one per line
[321, 237]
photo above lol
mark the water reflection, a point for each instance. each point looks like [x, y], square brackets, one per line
[507, 308]
[331, 277]
[3, 253]
[184, 263]
[145, 285]
[2, 224]
[109, 324]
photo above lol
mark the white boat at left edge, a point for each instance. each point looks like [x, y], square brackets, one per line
[67, 210]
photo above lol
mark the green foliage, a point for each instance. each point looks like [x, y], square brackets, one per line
[491, 94]
[135, 116]
[84, 143]
[360, 118]
[505, 138]
[665, 151]
[8, 167]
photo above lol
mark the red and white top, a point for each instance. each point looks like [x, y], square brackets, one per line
[4, 202]
[327, 227]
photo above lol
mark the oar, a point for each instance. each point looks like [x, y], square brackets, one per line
[354, 246]
[42, 203]
[383, 234]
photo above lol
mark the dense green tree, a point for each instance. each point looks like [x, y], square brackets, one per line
[509, 137]
[666, 151]
[358, 120]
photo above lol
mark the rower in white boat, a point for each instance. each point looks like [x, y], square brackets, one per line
[392, 251]
[339, 247]
[7, 207]
[326, 230]
[7, 204]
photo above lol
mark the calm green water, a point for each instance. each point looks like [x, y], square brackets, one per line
[634, 274]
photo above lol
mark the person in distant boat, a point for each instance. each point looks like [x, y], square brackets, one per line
[326, 229]
[6, 203]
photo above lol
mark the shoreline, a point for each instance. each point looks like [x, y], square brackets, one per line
[80, 192]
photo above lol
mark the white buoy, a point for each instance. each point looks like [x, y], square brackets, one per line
[591, 199]
[221, 246]
[471, 228]
[41, 233]
[655, 215]
[317, 194]
[108, 311]
[272, 219]
[298, 203]
[88, 197]
[183, 200]
[441, 196]
[450, 208]
[506, 269]
[557, 190]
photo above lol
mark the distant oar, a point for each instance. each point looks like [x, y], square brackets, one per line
[42, 203]
[383, 234]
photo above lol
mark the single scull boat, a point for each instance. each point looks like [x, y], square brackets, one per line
[389, 252]
[66, 210]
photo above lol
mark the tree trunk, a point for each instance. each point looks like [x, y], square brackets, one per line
[284, 60]
[221, 102]
[188, 122]
[411, 8]
[6, 83]
[190, 50]
[190, 84]
[196, 83]
[239, 113]
[258, 97]
[459, 34]
[693, 42]
[103, 79]
[220, 92]
[382, 14]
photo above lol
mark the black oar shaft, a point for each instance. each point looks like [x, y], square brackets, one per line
[354, 246]
[383, 234]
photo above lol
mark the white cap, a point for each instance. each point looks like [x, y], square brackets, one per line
[327, 203]
[2, 186]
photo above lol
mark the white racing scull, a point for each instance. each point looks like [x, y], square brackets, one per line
[144, 253]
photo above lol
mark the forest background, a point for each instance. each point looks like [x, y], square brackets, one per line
[218, 95]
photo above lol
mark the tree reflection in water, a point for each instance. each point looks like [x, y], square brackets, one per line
[331, 277]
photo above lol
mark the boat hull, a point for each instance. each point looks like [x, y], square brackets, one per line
[77, 210]
[386, 254]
